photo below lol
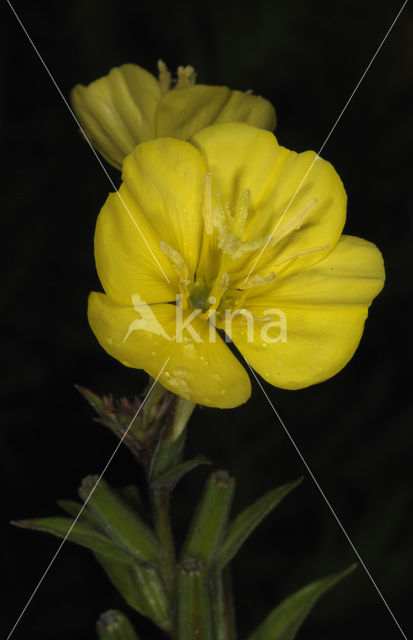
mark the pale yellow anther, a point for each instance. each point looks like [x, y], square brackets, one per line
[180, 268]
[294, 224]
[301, 253]
[207, 206]
[164, 77]
[220, 216]
[257, 281]
[236, 248]
[241, 213]
[186, 77]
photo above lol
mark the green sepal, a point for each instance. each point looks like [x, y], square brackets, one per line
[114, 625]
[120, 522]
[194, 605]
[222, 605]
[182, 412]
[209, 524]
[170, 478]
[141, 587]
[285, 620]
[245, 523]
[82, 533]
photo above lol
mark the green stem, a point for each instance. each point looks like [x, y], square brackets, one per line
[222, 605]
[194, 619]
[162, 522]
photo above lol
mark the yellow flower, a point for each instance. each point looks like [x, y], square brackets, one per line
[213, 235]
[130, 105]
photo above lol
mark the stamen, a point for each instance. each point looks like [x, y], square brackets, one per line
[175, 257]
[186, 77]
[301, 253]
[236, 248]
[220, 216]
[180, 268]
[241, 213]
[257, 281]
[295, 223]
[207, 206]
[164, 77]
[216, 294]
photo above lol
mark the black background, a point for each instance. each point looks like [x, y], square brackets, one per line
[354, 430]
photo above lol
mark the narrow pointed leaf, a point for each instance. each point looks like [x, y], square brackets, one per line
[285, 620]
[245, 523]
[94, 400]
[73, 508]
[209, 524]
[141, 587]
[170, 479]
[114, 625]
[82, 533]
[194, 605]
[119, 521]
[129, 493]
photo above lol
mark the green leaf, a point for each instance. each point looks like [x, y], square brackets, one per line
[245, 523]
[209, 523]
[194, 606]
[285, 620]
[82, 533]
[73, 508]
[94, 400]
[114, 625]
[118, 520]
[170, 479]
[141, 587]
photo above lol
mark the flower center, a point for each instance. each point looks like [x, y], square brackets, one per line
[223, 245]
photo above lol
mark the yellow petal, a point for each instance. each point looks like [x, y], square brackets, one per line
[352, 274]
[325, 308]
[165, 178]
[118, 111]
[248, 108]
[282, 184]
[199, 368]
[153, 205]
[183, 112]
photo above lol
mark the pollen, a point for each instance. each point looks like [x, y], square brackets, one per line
[180, 268]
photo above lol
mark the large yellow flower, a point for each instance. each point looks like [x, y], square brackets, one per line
[213, 234]
[130, 105]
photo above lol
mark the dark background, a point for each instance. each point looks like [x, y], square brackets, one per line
[354, 430]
